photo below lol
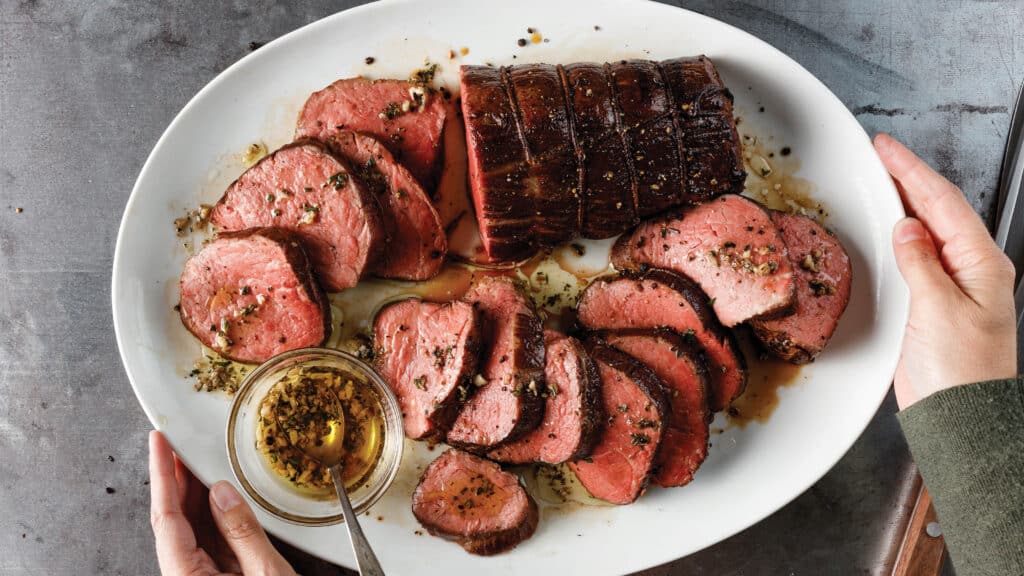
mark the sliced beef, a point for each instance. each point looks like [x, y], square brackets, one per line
[497, 165]
[659, 298]
[427, 353]
[252, 295]
[509, 402]
[409, 119]
[729, 246]
[679, 362]
[304, 188]
[415, 241]
[706, 130]
[823, 275]
[621, 465]
[572, 409]
[470, 500]
[625, 141]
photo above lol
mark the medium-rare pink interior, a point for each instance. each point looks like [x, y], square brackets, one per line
[681, 368]
[415, 242]
[619, 468]
[659, 298]
[472, 501]
[304, 188]
[252, 295]
[729, 246]
[509, 403]
[823, 277]
[427, 354]
[408, 118]
[572, 408]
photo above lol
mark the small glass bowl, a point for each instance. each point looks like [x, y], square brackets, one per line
[276, 494]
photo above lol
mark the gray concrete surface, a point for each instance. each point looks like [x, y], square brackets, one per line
[86, 88]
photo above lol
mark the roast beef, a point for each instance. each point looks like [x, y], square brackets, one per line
[729, 246]
[509, 401]
[304, 188]
[620, 467]
[470, 500]
[590, 149]
[572, 410]
[823, 275]
[680, 365]
[415, 242]
[251, 295]
[427, 353]
[659, 298]
[408, 118]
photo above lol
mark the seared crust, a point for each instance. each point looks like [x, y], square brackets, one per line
[368, 205]
[591, 149]
[680, 457]
[527, 360]
[823, 277]
[699, 303]
[445, 408]
[645, 380]
[474, 540]
[297, 259]
[583, 416]
[592, 417]
[624, 255]
[505, 540]
[779, 344]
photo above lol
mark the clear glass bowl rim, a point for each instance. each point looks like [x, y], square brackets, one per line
[250, 381]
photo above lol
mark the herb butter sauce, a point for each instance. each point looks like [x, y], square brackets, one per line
[301, 403]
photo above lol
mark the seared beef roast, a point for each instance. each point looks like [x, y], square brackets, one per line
[251, 295]
[729, 246]
[508, 402]
[470, 500]
[572, 410]
[620, 467]
[304, 188]
[823, 276]
[415, 242]
[659, 298]
[409, 120]
[427, 353]
[590, 149]
[679, 362]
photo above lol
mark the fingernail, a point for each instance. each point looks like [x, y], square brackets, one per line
[909, 230]
[225, 496]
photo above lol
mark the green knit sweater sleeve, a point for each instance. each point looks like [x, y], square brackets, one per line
[968, 442]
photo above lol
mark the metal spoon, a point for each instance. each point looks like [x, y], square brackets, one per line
[329, 451]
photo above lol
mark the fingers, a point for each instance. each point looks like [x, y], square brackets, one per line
[175, 541]
[932, 198]
[239, 526]
[918, 261]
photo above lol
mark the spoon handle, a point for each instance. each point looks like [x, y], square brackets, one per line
[365, 558]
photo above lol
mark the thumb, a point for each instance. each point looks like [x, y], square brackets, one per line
[918, 259]
[243, 533]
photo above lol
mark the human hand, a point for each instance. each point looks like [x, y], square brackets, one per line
[962, 325]
[201, 533]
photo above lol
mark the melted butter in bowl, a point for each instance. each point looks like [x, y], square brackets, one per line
[300, 408]
[295, 395]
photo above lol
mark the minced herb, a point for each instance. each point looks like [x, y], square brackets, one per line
[424, 76]
[338, 181]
